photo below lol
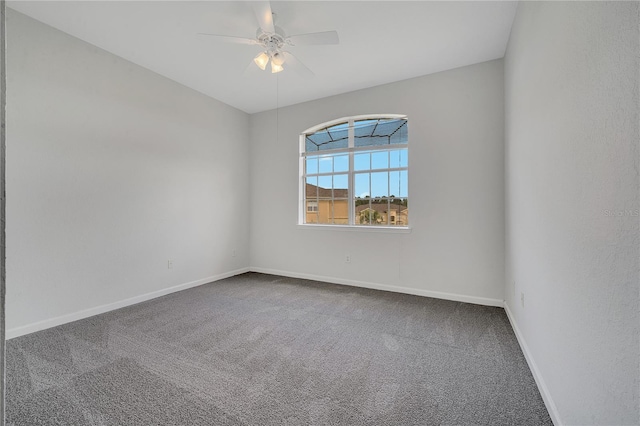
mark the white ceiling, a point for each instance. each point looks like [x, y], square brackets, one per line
[380, 42]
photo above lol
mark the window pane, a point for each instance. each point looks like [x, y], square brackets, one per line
[404, 156]
[343, 143]
[324, 182]
[398, 184]
[404, 187]
[394, 213]
[389, 126]
[340, 212]
[312, 216]
[380, 160]
[380, 132]
[341, 163]
[362, 161]
[372, 213]
[363, 133]
[398, 158]
[405, 213]
[380, 213]
[362, 185]
[339, 134]
[364, 213]
[379, 184]
[311, 195]
[325, 211]
[372, 141]
[309, 146]
[314, 142]
[402, 207]
[400, 135]
[326, 164]
[312, 165]
[340, 186]
[364, 127]
[312, 188]
[394, 184]
[333, 137]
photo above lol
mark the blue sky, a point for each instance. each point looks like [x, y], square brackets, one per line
[383, 183]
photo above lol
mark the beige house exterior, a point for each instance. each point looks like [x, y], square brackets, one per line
[326, 208]
[323, 207]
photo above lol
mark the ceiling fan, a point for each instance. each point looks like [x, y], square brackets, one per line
[273, 40]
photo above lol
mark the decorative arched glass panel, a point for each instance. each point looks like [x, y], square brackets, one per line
[354, 171]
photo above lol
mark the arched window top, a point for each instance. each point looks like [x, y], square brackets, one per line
[368, 130]
[332, 137]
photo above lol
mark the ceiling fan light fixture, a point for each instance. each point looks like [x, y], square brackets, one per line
[273, 40]
[277, 58]
[275, 67]
[262, 60]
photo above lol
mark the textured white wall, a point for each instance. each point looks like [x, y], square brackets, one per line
[113, 171]
[456, 189]
[2, 205]
[572, 116]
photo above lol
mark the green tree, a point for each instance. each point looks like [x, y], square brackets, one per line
[361, 201]
[369, 216]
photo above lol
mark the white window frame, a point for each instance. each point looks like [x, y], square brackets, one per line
[350, 150]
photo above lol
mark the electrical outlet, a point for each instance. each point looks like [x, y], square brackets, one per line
[233, 253]
[347, 259]
[522, 299]
[169, 264]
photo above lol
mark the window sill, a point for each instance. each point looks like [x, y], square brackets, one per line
[351, 228]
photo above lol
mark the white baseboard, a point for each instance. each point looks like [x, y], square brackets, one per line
[63, 319]
[544, 391]
[396, 289]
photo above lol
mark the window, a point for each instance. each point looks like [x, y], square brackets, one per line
[354, 171]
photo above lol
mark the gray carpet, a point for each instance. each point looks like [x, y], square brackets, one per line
[261, 349]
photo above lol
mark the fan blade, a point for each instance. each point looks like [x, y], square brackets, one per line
[232, 39]
[262, 10]
[325, 37]
[294, 63]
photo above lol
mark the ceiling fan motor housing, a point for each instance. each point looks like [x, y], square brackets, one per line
[273, 43]
[273, 39]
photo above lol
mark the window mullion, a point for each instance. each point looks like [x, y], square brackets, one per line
[302, 182]
[333, 193]
[356, 148]
[370, 193]
[351, 183]
[388, 198]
